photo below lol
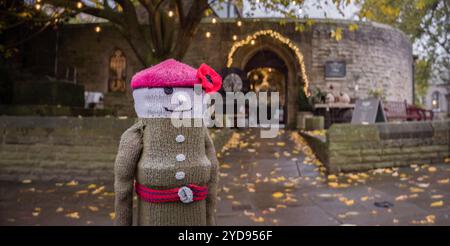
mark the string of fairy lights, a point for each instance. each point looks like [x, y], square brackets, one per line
[38, 4]
[251, 39]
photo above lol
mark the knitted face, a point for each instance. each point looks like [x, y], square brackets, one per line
[185, 102]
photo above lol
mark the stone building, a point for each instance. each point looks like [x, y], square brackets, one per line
[374, 56]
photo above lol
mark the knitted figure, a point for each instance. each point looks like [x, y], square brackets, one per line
[174, 170]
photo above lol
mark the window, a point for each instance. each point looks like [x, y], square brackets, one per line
[435, 101]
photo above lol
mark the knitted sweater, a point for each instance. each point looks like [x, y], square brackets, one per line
[148, 153]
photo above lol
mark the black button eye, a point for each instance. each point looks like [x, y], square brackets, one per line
[168, 90]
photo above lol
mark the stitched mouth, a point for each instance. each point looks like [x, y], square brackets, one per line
[172, 110]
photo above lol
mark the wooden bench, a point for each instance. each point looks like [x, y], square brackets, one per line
[424, 114]
[395, 110]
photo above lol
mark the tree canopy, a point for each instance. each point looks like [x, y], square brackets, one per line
[427, 24]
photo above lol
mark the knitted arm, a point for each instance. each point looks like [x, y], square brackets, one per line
[212, 185]
[124, 170]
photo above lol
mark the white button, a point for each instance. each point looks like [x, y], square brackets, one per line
[180, 175]
[181, 157]
[180, 138]
[186, 195]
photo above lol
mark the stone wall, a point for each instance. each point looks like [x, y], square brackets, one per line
[59, 147]
[376, 55]
[62, 148]
[361, 147]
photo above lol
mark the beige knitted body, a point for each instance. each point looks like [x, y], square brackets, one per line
[147, 154]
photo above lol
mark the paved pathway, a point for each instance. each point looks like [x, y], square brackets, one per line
[275, 182]
[263, 182]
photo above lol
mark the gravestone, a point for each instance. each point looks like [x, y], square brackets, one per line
[368, 111]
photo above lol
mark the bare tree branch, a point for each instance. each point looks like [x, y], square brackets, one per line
[105, 13]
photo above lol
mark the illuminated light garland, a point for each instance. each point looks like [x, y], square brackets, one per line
[279, 37]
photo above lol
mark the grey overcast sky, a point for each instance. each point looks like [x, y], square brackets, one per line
[309, 8]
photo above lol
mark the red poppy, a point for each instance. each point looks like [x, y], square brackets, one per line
[211, 81]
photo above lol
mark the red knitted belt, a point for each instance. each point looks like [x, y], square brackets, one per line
[185, 194]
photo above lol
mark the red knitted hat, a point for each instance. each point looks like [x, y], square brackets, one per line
[171, 73]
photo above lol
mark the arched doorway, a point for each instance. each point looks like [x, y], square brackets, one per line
[269, 49]
[266, 72]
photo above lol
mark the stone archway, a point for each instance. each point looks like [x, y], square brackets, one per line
[243, 51]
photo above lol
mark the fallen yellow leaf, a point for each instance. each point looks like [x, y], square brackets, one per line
[26, 181]
[289, 184]
[225, 166]
[98, 190]
[247, 213]
[347, 201]
[92, 186]
[81, 192]
[74, 215]
[277, 194]
[259, 219]
[59, 209]
[430, 218]
[332, 177]
[281, 206]
[437, 196]
[437, 204]
[415, 190]
[333, 184]
[432, 169]
[72, 183]
[93, 208]
[423, 185]
[401, 198]
[112, 215]
[443, 181]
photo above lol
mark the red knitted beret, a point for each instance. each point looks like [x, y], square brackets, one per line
[171, 73]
